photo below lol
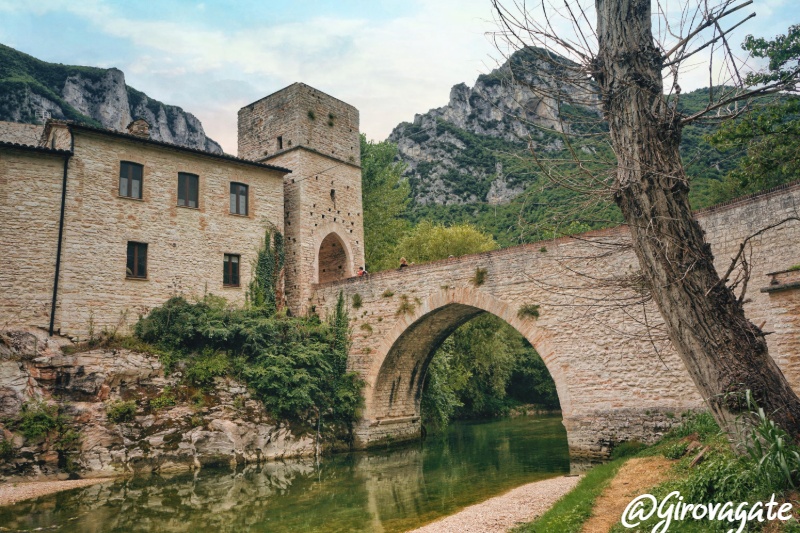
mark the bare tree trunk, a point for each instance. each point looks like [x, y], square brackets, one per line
[724, 353]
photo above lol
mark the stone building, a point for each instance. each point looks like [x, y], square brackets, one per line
[317, 137]
[98, 227]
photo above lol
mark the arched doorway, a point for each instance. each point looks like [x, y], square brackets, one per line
[333, 262]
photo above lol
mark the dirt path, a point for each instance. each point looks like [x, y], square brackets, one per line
[11, 493]
[501, 513]
[633, 479]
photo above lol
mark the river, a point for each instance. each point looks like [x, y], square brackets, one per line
[378, 491]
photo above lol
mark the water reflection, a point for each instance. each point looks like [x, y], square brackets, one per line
[379, 491]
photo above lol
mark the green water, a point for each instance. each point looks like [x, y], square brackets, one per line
[382, 491]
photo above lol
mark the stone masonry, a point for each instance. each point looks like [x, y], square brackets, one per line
[185, 246]
[316, 136]
[597, 337]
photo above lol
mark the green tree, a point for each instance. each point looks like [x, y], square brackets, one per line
[771, 133]
[429, 241]
[385, 196]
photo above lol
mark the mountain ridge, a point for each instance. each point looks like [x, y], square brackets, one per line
[32, 90]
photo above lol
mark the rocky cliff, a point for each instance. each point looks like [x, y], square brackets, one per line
[32, 90]
[462, 152]
[104, 412]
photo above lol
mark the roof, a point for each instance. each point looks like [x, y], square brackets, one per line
[133, 138]
[296, 85]
[32, 148]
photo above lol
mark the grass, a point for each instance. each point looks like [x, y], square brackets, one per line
[720, 476]
[528, 311]
[570, 512]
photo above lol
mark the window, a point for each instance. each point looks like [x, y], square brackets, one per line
[187, 189]
[280, 142]
[230, 272]
[238, 198]
[130, 179]
[137, 260]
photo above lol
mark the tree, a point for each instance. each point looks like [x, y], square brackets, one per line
[623, 66]
[770, 133]
[385, 197]
[429, 241]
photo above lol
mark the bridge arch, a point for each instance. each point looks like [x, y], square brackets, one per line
[333, 255]
[396, 376]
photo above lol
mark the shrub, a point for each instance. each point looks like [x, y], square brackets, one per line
[357, 301]
[480, 277]
[297, 366]
[528, 310]
[121, 411]
[37, 419]
[387, 293]
[626, 449]
[6, 450]
[163, 400]
[676, 450]
[202, 370]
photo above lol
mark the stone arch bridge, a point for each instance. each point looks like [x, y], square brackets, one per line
[616, 375]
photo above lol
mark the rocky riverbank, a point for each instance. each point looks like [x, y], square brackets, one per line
[105, 412]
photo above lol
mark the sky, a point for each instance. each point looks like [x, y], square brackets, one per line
[391, 59]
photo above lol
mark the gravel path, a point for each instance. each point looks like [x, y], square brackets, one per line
[11, 493]
[501, 513]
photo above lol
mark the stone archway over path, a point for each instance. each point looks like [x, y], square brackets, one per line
[617, 376]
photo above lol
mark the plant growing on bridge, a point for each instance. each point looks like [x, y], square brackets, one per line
[356, 300]
[406, 306]
[528, 311]
[621, 64]
[480, 277]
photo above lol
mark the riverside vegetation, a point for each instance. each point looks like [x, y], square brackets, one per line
[705, 470]
[296, 366]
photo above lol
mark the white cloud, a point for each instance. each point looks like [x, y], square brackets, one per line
[390, 69]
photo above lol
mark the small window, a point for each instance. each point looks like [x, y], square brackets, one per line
[137, 260]
[230, 272]
[187, 189]
[130, 179]
[280, 142]
[238, 198]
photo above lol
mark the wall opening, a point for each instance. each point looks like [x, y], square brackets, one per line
[333, 262]
[439, 342]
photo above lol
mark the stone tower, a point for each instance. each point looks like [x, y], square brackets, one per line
[317, 137]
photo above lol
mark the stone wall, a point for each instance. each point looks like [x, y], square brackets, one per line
[592, 329]
[14, 132]
[323, 192]
[30, 200]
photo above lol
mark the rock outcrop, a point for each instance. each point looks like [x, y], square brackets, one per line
[96, 96]
[172, 427]
[455, 154]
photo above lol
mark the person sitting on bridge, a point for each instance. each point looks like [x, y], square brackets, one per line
[361, 272]
[403, 263]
